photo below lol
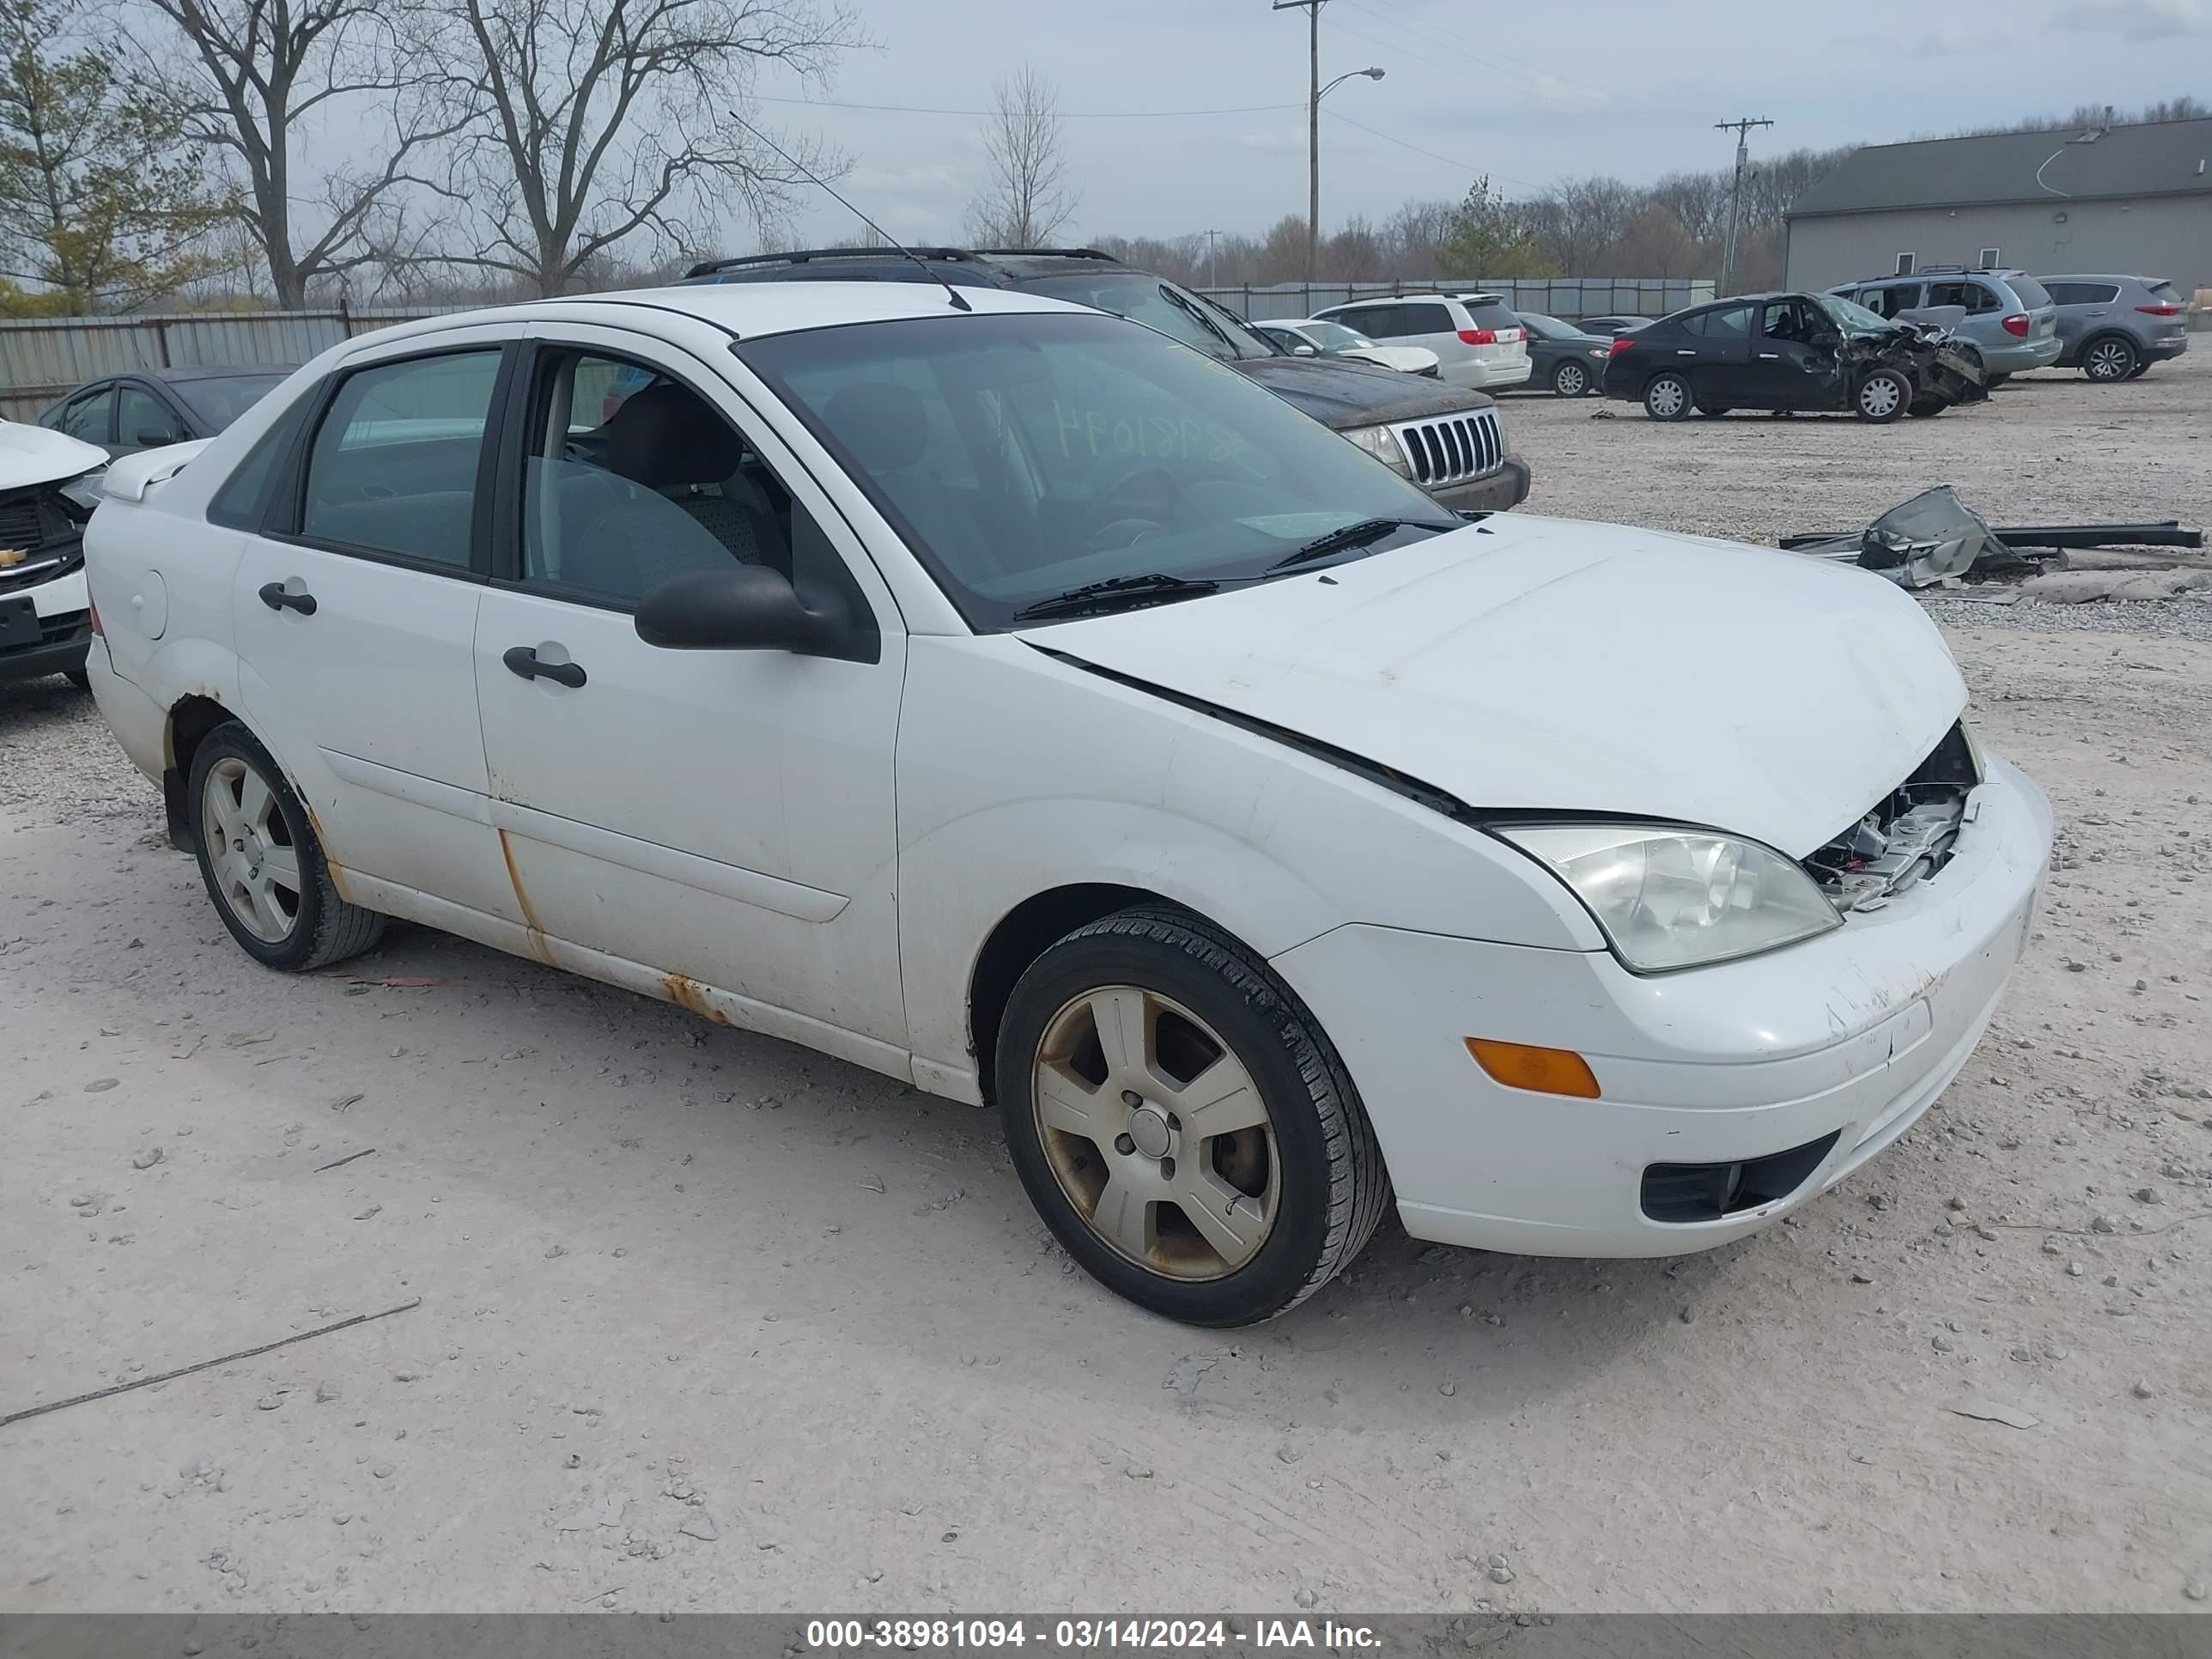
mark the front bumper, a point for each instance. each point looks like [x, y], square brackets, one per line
[66, 628]
[1853, 1035]
[1493, 492]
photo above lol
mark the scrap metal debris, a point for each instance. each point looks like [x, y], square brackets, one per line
[1937, 537]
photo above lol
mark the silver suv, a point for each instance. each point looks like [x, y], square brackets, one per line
[2009, 318]
[2114, 328]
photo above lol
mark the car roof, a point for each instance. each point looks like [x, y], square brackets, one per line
[1013, 263]
[748, 310]
[2101, 277]
[214, 371]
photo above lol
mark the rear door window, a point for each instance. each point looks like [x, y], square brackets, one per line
[139, 412]
[2082, 294]
[1430, 317]
[1728, 323]
[394, 466]
[1376, 322]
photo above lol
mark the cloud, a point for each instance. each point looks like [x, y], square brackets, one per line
[2134, 20]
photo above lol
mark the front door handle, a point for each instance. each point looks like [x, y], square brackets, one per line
[523, 660]
[282, 596]
[1770, 357]
[1685, 351]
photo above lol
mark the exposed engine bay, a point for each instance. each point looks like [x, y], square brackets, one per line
[1939, 365]
[1908, 836]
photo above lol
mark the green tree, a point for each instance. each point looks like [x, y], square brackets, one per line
[1491, 236]
[96, 203]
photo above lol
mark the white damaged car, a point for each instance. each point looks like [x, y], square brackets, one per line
[49, 484]
[1006, 698]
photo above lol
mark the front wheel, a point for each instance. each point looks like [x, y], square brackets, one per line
[1181, 1123]
[1570, 381]
[262, 864]
[1882, 397]
[2110, 359]
[1667, 398]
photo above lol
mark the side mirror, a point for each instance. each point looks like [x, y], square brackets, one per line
[153, 437]
[1303, 351]
[747, 607]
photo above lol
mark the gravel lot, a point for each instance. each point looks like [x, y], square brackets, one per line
[707, 1321]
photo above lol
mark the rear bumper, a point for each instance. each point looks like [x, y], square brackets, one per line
[1493, 492]
[1832, 1048]
[2019, 356]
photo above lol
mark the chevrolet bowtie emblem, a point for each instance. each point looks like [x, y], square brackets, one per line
[11, 556]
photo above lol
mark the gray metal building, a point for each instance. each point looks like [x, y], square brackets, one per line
[2136, 199]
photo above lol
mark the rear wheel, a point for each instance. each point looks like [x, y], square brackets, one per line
[262, 864]
[1571, 379]
[1181, 1123]
[2140, 370]
[2110, 359]
[1667, 397]
[1881, 396]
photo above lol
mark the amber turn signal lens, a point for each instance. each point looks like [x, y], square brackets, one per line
[1546, 1071]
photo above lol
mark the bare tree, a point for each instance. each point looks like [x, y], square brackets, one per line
[254, 80]
[589, 127]
[1027, 199]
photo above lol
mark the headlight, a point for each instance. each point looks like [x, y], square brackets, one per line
[85, 490]
[1680, 898]
[1377, 441]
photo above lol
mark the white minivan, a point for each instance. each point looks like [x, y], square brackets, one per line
[1001, 696]
[1478, 341]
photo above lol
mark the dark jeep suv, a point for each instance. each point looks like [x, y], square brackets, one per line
[1445, 438]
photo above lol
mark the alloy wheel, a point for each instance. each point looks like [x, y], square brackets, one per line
[250, 850]
[1571, 381]
[1156, 1134]
[2109, 360]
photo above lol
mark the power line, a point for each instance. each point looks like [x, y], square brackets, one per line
[1428, 43]
[1065, 114]
[1481, 46]
[1464, 166]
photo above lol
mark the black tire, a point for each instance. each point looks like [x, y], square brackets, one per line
[1667, 398]
[1331, 1186]
[323, 928]
[1881, 396]
[1571, 379]
[1995, 380]
[77, 677]
[2140, 370]
[1928, 407]
[1712, 411]
[2109, 358]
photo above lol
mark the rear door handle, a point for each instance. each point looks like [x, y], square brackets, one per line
[1685, 351]
[285, 596]
[1770, 357]
[523, 660]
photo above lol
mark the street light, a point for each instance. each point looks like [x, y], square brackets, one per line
[1313, 163]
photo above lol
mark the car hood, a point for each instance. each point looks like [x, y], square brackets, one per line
[1544, 664]
[35, 455]
[1344, 394]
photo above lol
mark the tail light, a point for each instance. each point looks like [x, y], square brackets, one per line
[2017, 324]
[1479, 335]
[2159, 310]
[1620, 343]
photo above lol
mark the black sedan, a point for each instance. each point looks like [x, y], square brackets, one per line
[147, 408]
[1791, 351]
[1562, 357]
[1609, 326]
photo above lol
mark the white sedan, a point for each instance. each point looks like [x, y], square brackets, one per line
[1316, 338]
[1004, 697]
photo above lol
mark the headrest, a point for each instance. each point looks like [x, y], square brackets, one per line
[667, 435]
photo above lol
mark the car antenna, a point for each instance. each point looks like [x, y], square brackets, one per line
[950, 292]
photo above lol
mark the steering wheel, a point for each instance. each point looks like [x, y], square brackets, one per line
[1153, 495]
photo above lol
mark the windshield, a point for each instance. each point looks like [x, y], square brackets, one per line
[1853, 319]
[221, 398]
[1022, 456]
[1161, 305]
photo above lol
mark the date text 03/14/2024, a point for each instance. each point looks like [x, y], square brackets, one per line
[1086, 1635]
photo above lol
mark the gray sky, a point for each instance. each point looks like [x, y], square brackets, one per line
[1611, 86]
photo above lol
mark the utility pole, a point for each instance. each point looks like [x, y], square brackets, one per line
[1213, 276]
[1313, 126]
[1742, 131]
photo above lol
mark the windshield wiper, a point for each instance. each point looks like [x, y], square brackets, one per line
[1357, 534]
[1116, 592]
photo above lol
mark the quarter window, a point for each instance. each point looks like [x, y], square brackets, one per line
[394, 466]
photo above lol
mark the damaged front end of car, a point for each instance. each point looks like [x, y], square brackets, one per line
[1943, 369]
[1907, 836]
